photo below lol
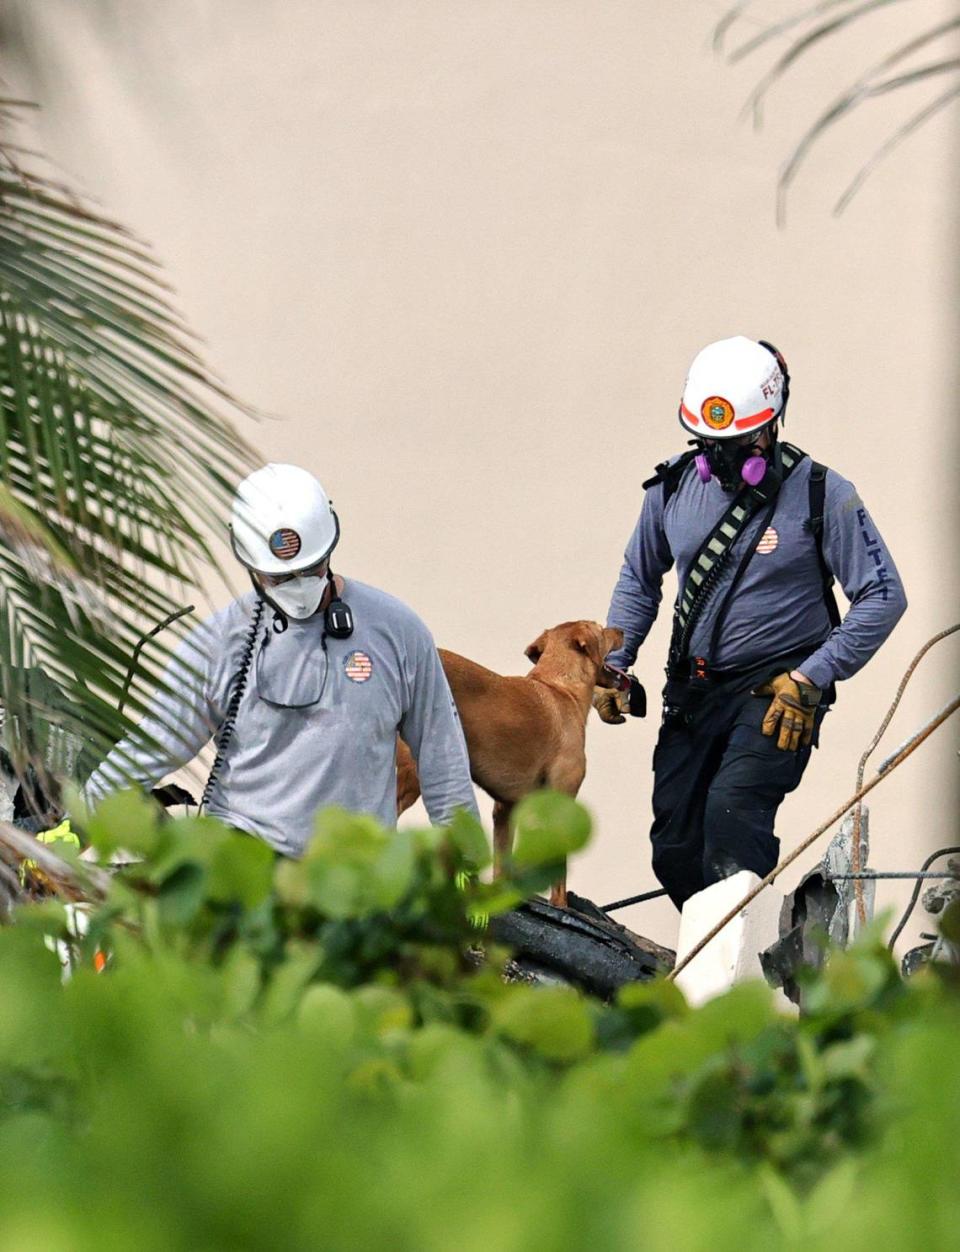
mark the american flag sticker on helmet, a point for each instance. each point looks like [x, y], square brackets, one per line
[358, 667]
[768, 540]
[285, 543]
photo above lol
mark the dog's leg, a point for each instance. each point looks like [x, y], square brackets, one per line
[566, 777]
[558, 892]
[501, 835]
[408, 781]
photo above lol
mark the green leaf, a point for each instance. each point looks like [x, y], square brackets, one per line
[553, 1021]
[548, 827]
[714, 1114]
[497, 897]
[181, 894]
[467, 835]
[337, 890]
[124, 819]
[432, 1046]
[242, 869]
[950, 922]
[352, 866]
[292, 883]
[811, 1063]
[784, 1204]
[393, 870]
[383, 1009]
[851, 980]
[647, 1004]
[184, 841]
[241, 983]
[328, 1013]
[347, 838]
[831, 1198]
[286, 987]
[849, 1058]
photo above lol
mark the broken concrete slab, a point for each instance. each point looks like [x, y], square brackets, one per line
[579, 945]
[821, 911]
[734, 954]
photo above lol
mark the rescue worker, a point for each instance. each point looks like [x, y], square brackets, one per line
[305, 683]
[757, 532]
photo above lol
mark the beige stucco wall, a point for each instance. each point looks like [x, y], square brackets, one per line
[465, 250]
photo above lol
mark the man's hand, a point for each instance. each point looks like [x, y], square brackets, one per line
[611, 704]
[793, 708]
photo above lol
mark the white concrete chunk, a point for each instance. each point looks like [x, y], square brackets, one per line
[733, 955]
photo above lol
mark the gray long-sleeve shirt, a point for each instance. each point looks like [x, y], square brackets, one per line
[778, 607]
[338, 747]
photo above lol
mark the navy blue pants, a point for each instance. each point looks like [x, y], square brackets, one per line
[718, 782]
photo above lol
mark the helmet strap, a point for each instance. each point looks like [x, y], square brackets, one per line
[784, 370]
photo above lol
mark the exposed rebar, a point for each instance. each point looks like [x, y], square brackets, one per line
[857, 859]
[622, 904]
[891, 873]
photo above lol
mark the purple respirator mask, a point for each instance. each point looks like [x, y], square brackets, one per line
[730, 467]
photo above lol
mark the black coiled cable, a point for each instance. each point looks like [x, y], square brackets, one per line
[229, 721]
[916, 893]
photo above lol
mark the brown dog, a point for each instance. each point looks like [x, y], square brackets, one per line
[524, 733]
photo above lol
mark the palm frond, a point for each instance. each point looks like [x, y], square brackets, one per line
[727, 23]
[775, 30]
[117, 456]
[866, 88]
[800, 47]
[880, 154]
[824, 21]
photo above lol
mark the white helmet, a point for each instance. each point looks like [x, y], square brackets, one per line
[282, 521]
[734, 387]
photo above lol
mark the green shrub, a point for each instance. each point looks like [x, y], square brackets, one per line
[314, 1054]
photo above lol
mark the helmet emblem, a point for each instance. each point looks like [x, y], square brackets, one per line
[285, 544]
[717, 412]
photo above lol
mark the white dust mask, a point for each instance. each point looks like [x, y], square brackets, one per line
[298, 598]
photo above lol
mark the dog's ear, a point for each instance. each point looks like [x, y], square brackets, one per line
[535, 651]
[588, 641]
[612, 640]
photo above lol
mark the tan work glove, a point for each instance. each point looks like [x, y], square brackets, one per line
[793, 708]
[611, 704]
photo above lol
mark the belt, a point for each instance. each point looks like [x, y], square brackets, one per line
[688, 670]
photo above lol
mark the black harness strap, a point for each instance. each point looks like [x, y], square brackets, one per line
[814, 523]
[670, 474]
